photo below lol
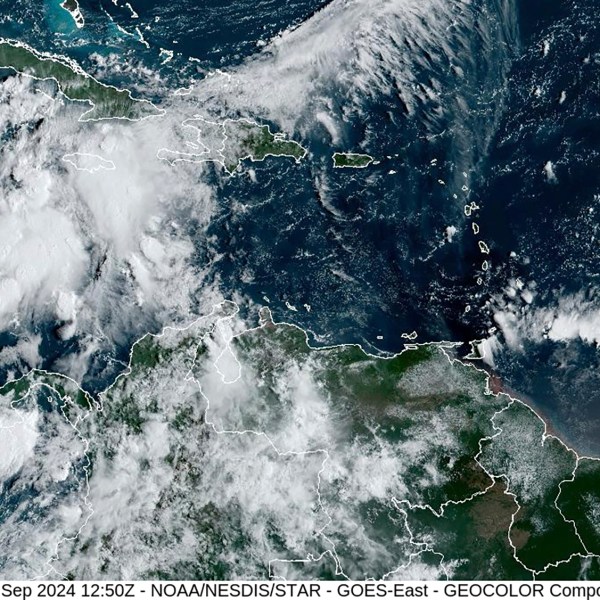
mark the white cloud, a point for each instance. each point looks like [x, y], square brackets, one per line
[19, 434]
[549, 172]
[351, 49]
[523, 319]
[45, 501]
[73, 240]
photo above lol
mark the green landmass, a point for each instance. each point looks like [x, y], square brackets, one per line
[247, 140]
[108, 102]
[535, 467]
[578, 568]
[351, 160]
[579, 501]
[39, 387]
[403, 397]
[473, 535]
[227, 458]
[65, 387]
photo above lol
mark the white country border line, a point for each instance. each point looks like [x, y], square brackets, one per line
[103, 163]
[190, 377]
[86, 443]
[425, 546]
[388, 356]
[443, 346]
[87, 468]
[324, 451]
[70, 63]
[414, 555]
[162, 333]
[193, 157]
[439, 513]
[220, 158]
[265, 317]
[310, 558]
[495, 476]
[99, 407]
[352, 155]
[75, 13]
[504, 476]
[98, 404]
[280, 453]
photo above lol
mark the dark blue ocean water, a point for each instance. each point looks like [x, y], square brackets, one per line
[366, 249]
[552, 226]
[366, 254]
[215, 33]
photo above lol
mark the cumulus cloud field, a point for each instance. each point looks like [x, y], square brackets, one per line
[98, 236]
[93, 228]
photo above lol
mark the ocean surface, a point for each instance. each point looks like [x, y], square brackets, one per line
[367, 256]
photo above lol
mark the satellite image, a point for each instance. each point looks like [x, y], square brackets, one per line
[300, 290]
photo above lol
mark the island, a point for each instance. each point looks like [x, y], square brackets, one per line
[245, 139]
[107, 102]
[232, 141]
[72, 7]
[351, 160]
